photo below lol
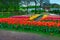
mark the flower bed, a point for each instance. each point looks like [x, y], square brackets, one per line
[51, 17]
[25, 24]
[34, 16]
[21, 16]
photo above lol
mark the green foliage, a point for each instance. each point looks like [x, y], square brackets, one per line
[3, 15]
[29, 28]
[6, 14]
[9, 5]
[38, 11]
[31, 7]
[55, 11]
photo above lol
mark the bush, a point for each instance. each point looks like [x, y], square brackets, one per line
[38, 11]
[55, 11]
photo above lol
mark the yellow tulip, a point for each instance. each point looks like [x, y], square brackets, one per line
[34, 16]
[44, 16]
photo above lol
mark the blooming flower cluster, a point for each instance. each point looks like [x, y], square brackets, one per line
[26, 24]
[25, 21]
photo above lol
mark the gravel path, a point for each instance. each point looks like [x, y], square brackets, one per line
[10, 35]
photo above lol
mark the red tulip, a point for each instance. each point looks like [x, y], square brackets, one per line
[50, 24]
[58, 24]
[39, 23]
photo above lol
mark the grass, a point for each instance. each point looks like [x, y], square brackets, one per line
[6, 14]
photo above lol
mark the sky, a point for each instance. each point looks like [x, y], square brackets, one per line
[55, 1]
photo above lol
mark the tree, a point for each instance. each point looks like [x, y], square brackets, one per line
[6, 5]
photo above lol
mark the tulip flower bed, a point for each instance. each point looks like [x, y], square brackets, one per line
[51, 17]
[25, 24]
